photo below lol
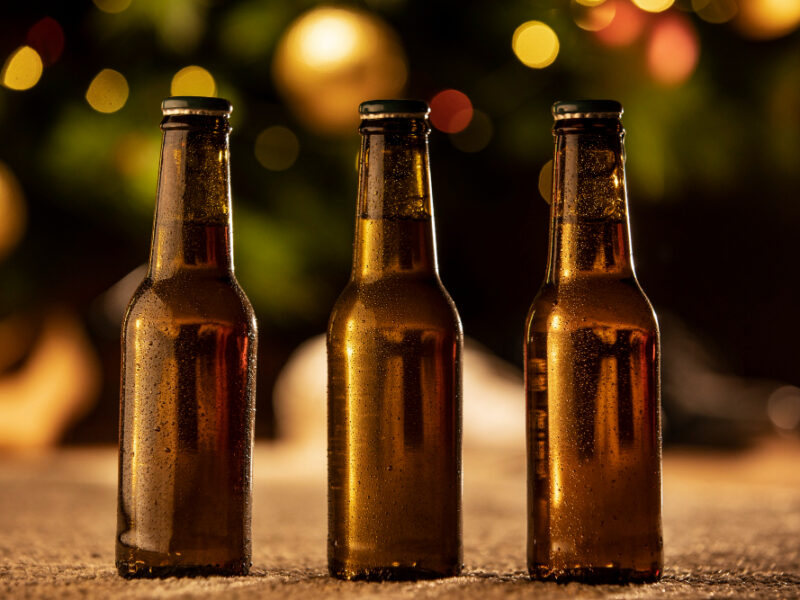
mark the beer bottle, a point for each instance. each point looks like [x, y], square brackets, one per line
[592, 372]
[188, 369]
[394, 371]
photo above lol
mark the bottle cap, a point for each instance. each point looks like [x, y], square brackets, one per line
[587, 109]
[196, 105]
[394, 109]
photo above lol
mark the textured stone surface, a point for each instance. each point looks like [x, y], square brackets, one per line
[732, 529]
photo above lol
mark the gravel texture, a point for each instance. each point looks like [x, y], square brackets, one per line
[732, 529]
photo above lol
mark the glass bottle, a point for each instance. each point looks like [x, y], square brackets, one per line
[188, 369]
[592, 372]
[394, 371]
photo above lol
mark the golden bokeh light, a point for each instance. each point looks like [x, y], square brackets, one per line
[108, 91]
[546, 181]
[654, 6]
[476, 136]
[330, 59]
[590, 3]
[330, 40]
[22, 70]
[12, 211]
[672, 50]
[715, 11]
[193, 81]
[593, 18]
[135, 153]
[112, 6]
[535, 44]
[277, 148]
[768, 19]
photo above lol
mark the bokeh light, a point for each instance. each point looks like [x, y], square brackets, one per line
[134, 154]
[331, 59]
[590, 2]
[672, 50]
[626, 26]
[451, 111]
[277, 148]
[783, 407]
[535, 44]
[193, 81]
[47, 38]
[12, 211]
[546, 181]
[108, 91]
[653, 6]
[715, 11]
[22, 70]
[768, 19]
[112, 6]
[477, 134]
[593, 18]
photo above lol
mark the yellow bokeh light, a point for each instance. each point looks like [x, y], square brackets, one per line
[654, 6]
[332, 58]
[535, 44]
[546, 181]
[112, 6]
[590, 3]
[22, 70]
[328, 40]
[12, 211]
[135, 153]
[715, 11]
[593, 18]
[768, 19]
[277, 148]
[108, 91]
[193, 81]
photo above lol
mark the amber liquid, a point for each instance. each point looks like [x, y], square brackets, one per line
[592, 386]
[186, 426]
[394, 455]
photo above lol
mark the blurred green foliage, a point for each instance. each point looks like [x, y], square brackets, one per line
[728, 135]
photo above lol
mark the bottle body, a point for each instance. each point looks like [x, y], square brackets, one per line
[592, 358]
[394, 390]
[188, 380]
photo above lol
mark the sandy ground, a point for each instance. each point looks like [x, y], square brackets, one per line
[732, 529]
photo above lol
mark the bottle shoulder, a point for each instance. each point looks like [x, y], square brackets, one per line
[413, 302]
[191, 299]
[613, 302]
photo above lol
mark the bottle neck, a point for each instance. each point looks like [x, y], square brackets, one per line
[394, 216]
[192, 229]
[589, 231]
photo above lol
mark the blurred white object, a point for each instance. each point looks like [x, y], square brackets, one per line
[56, 385]
[493, 399]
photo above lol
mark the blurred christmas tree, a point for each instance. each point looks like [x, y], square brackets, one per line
[711, 90]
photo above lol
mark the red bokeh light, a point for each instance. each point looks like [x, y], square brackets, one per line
[47, 38]
[451, 111]
[626, 26]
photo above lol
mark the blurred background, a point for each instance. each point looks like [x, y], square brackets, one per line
[711, 90]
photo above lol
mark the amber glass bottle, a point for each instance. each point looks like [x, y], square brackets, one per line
[592, 372]
[188, 369]
[394, 371]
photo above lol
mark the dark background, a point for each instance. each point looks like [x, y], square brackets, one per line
[713, 173]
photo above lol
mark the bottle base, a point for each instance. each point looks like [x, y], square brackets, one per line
[142, 570]
[349, 572]
[613, 575]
